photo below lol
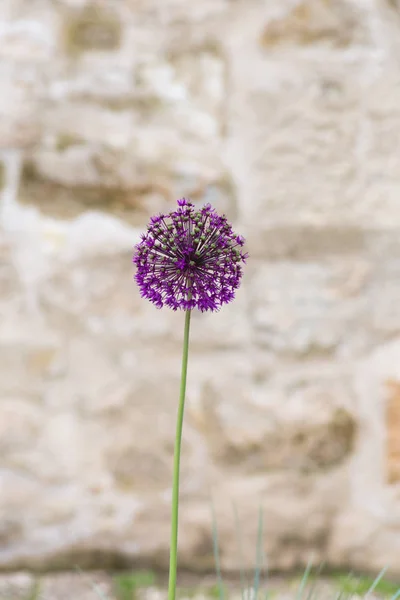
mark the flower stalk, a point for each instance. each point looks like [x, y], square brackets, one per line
[173, 557]
[187, 259]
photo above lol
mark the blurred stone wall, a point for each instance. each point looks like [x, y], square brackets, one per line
[285, 115]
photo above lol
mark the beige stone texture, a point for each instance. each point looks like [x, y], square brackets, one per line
[286, 116]
[393, 428]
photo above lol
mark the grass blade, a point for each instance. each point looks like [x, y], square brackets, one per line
[34, 592]
[304, 580]
[396, 595]
[221, 590]
[339, 595]
[93, 585]
[260, 554]
[376, 581]
[342, 595]
[344, 587]
[243, 580]
[265, 565]
[315, 582]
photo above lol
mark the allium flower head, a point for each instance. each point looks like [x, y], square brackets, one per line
[189, 259]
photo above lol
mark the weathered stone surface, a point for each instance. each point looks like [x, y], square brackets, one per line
[295, 425]
[310, 22]
[286, 117]
[393, 426]
[17, 586]
[310, 308]
[374, 513]
[311, 129]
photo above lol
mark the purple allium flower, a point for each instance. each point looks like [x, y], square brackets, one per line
[189, 259]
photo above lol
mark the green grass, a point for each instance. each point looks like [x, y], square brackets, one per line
[214, 591]
[127, 584]
[211, 592]
[304, 587]
[350, 584]
[34, 593]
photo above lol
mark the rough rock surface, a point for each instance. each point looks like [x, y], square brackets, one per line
[285, 115]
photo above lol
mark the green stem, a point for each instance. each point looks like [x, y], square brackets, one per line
[173, 557]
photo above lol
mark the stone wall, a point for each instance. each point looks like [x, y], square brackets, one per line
[286, 116]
